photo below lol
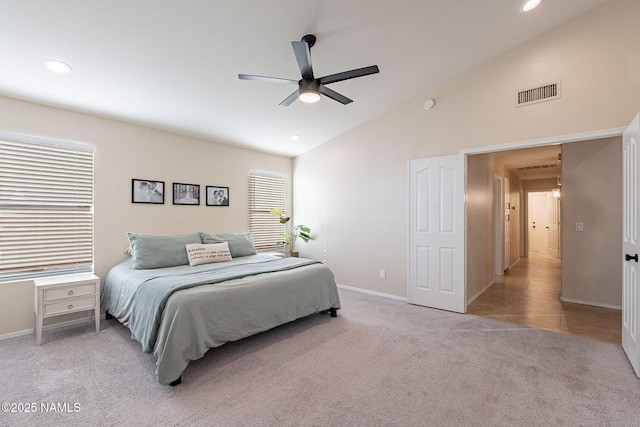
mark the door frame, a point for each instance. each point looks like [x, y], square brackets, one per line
[542, 142]
[530, 143]
[498, 225]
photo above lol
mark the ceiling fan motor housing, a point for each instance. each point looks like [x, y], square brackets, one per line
[309, 85]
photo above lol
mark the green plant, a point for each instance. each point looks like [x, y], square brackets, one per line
[292, 233]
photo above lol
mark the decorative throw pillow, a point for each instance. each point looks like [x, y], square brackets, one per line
[240, 244]
[151, 251]
[206, 254]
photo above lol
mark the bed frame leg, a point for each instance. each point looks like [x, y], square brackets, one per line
[176, 382]
[107, 315]
[334, 312]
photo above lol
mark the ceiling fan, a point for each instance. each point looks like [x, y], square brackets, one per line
[309, 87]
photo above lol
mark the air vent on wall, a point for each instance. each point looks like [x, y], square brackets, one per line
[542, 93]
[528, 168]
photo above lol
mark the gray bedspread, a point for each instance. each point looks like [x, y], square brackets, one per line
[181, 312]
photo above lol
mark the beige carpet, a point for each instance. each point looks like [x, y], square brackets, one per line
[381, 362]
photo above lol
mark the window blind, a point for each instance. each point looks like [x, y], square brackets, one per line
[46, 209]
[266, 191]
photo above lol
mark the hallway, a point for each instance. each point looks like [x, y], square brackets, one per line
[529, 294]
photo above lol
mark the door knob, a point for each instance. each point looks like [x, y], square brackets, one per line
[628, 257]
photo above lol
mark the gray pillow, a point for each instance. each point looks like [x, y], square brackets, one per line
[240, 244]
[151, 251]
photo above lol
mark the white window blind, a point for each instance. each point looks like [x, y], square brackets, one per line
[266, 191]
[46, 209]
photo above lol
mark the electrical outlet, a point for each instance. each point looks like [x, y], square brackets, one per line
[383, 274]
[579, 226]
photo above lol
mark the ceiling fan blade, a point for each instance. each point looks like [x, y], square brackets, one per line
[346, 75]
[335, 95]
[266, 79]
[289, 99]
[303, 56]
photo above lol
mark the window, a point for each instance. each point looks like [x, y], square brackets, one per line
[266, 191]
[46, 208]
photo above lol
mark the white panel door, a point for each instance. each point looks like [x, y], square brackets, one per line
[630, 276]
[538, 235]
[436, 233]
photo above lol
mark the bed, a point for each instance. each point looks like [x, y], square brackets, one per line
[178, 312]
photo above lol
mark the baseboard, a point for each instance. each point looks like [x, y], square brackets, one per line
[379, 294]
[514, 263]
[595, 304]
[473, 298]
[60, 325]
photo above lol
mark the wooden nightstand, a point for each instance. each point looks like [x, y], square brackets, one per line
[59, 295]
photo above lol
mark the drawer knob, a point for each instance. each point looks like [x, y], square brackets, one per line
[70, 292]
[70, 307]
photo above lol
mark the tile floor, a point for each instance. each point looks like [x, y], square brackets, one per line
[529, 294]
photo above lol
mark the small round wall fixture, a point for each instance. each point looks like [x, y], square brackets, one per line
[429, 103]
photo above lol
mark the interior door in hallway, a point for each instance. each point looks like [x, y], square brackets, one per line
[538, 220]
[630, 271]
[553, 222]
[507, 228]
[436, 256]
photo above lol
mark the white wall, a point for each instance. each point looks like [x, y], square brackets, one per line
[353, 189]
[480, 174]
[480, 169]
[126, 151]
[515, 186]
[592, 194]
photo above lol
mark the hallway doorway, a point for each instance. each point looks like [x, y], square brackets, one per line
[529, 293]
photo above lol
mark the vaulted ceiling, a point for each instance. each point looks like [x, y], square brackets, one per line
[174, 65]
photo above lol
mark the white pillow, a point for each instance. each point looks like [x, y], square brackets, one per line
[205, 254]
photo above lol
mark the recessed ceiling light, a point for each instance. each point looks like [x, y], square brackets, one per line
[57, 66]
[529, 5]
[294, 137]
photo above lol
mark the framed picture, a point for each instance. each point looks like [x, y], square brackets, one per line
[217, 196]
[147, 191]
[186, 194]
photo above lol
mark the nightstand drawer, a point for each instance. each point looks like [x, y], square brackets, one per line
[69, 306]
[69, 292]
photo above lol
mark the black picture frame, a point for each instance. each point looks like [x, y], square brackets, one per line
[186, 194]
[214, 199]
[147, 191]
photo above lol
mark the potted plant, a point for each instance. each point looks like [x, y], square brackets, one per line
[292, 233]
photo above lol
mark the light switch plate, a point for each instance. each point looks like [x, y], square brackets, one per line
[579, 226]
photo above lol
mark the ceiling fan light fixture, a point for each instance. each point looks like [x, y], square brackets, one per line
[309, 96]
[529, 5]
